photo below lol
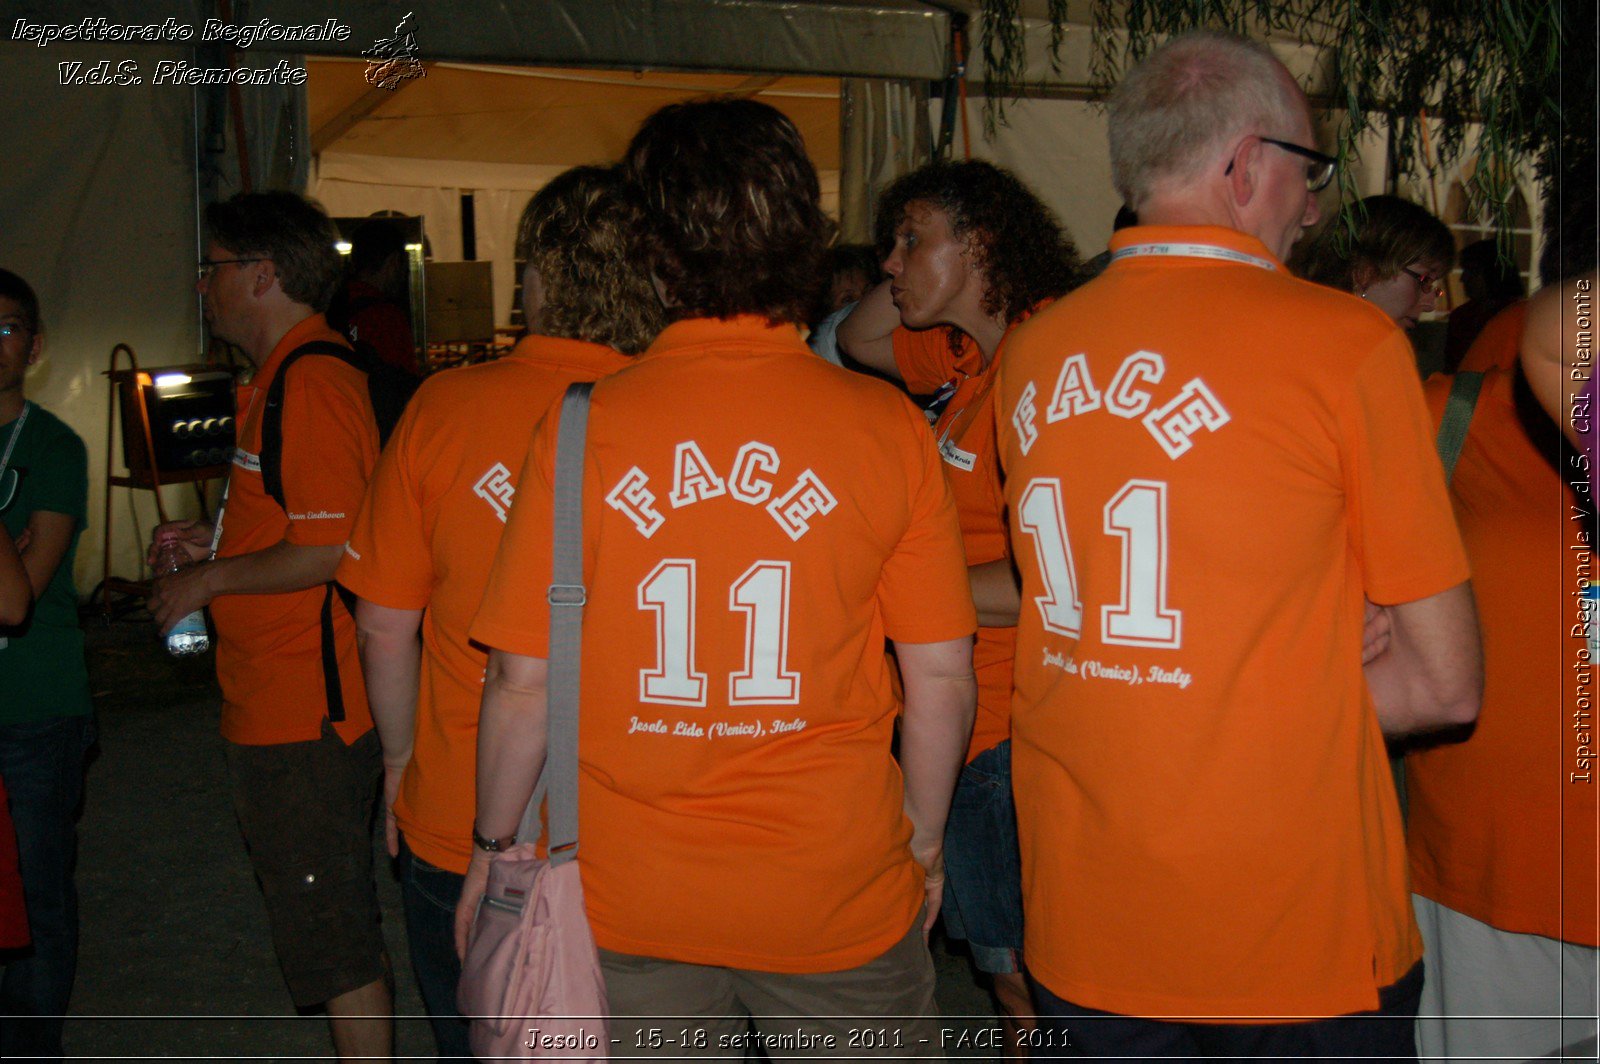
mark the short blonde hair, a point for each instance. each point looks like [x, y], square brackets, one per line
[580, 233]
[1173, 109]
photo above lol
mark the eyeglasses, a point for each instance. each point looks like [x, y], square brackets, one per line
[204, 267]
[1425, 282]
[1318, 175]
[8, 330]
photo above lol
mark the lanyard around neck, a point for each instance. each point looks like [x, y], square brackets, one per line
[971, 405]
[1195, 251]
[16, 434]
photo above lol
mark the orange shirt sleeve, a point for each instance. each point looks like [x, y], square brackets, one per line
[924, 591]
[1498, 345]
[923, 357]
[521, 573]
[388, 560]
[330, 444]
[1403, 527]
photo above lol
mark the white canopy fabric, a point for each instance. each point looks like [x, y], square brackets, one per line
[501, 133]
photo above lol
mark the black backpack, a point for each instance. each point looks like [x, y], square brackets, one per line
[389, 389]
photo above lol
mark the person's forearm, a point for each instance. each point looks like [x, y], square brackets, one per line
[995, 593]
[1431, 674]
[391, 663]
[933, 743]
[1404, 698]
[866, 335]
[48, 538]
[16, 592]
[273, 570]
[511, 742]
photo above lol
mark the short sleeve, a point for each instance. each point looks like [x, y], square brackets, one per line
[1403, 528]
[924, 591]
[513, 615]
[923, 358]
[389, 560]
[61, 477]
[330, 444]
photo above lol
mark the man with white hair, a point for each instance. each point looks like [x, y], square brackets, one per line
[1215, 472]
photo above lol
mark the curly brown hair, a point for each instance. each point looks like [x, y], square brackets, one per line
[580, 232]
[1020, 248]
[735, 222]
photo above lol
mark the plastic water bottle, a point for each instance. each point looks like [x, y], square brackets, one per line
[189, 635]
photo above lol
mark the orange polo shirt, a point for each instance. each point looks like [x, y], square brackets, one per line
[964, 430]
[756, 522]
[1496, 347]
[1208, 463]
[425, 540]
[269, 647]
[1499, 828]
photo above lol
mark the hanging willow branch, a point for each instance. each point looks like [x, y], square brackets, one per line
[1450, 64]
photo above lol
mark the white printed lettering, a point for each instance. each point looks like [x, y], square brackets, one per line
[1124, 398]
[633, 498]
[745, 484]
[1192, 409]
[693, 479]
[1075, 392]
[1025, 417]
[808, 498]
[496, 489]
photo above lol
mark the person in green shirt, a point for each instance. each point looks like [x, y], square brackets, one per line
[46, 725]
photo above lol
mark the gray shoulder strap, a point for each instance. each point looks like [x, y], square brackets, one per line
[566, 596]
[1457, 418]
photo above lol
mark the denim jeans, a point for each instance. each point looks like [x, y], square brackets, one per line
[430, 895]
[42, 763]
[983, 895]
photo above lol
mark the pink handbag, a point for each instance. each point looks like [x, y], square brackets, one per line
[531, 984]
[531, 981]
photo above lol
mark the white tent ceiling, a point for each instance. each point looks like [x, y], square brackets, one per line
[502, 132]
[535, 115]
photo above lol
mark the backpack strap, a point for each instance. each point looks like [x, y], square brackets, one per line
[272, 478]
[272, 414]
[1458, 409]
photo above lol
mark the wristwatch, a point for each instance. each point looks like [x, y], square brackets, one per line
[492, 845]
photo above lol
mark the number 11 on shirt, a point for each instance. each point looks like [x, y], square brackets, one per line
[761, 593]
[1137, 514]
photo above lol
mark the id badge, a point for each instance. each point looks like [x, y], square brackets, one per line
[962, 460]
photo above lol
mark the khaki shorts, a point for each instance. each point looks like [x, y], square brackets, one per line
[883, 1008]
[306, 813]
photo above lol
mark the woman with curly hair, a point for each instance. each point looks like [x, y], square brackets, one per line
[970, 253]
[1396, 259]
[424, 540]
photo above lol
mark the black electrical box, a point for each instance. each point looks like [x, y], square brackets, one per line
[189, 410]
